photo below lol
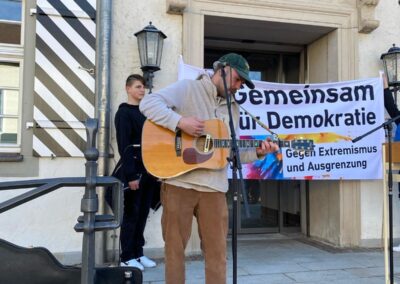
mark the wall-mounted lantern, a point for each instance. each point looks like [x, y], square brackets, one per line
[150, 43]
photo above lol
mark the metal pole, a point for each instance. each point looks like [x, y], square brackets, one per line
[103, 51]
[89, 205]
[390, 187]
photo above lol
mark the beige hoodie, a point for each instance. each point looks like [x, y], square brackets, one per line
[193, 98]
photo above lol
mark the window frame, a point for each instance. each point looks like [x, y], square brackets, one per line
[14, 53]
[22, 33]
[15, 148]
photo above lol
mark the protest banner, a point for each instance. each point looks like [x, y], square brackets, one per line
[331, 114]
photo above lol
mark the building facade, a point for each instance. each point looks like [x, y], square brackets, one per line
[47, 55]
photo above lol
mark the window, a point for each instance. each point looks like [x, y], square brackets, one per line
[265, 66]
[9, 103]
[11, 55]
[10, 21]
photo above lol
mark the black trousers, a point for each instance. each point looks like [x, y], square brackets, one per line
[136, 209]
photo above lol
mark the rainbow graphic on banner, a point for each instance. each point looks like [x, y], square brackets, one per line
[271, 166]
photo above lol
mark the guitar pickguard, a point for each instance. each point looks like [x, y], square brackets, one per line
[191, 156]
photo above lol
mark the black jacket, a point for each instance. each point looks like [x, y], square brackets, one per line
[129, 124]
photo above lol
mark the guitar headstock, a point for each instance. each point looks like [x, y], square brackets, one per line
[302, 145]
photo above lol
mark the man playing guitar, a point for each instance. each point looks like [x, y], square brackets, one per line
[185, 106]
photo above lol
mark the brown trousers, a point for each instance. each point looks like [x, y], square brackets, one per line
[211, 212]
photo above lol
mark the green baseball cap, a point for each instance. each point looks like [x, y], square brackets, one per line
[241, 66]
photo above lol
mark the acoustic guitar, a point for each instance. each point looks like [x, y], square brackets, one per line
[169, 154]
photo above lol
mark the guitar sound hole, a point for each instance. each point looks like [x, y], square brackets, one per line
[201, 144]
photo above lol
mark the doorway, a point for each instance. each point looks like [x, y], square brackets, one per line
[275, 206]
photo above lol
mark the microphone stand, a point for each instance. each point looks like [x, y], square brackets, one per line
[236, 166]
[388, 126]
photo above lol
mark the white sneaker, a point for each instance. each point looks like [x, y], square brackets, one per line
[146, 262]
[133, 263]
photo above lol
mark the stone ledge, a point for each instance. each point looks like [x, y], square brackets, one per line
[176, 6]
[366, 16]
[11, 157]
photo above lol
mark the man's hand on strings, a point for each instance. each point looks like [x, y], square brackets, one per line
[267, 147]
[191, 125]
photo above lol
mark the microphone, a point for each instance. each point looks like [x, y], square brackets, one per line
[219, 65]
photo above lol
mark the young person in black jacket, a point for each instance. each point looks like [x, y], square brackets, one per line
[139, 185]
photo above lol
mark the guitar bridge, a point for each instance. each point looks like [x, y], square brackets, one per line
[178, 143]
[207, 143]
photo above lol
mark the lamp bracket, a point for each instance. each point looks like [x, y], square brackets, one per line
[148, 76]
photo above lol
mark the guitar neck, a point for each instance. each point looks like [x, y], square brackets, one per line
[247, 143]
